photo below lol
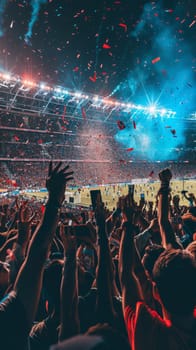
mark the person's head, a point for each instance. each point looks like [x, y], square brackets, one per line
[174, 274]
[176, 200]
[99, 337]
[192, 211]
[151, 255]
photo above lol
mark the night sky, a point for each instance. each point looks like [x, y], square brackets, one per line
[131, 50]
[98, 46]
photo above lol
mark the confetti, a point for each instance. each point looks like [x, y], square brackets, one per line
[106, 46]
[130, 149]
[155, 60]
[11, 24]
[76, 69]
[121, 125]
[134, 124]
[192, 24]
[83, 113]
[169, 10]
[16, 138]
[94, 78]
[123, 25]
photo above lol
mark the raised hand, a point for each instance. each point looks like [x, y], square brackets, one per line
[69, 239]
[56, 182]
[126, 208]
[165, 175]
[25, 216]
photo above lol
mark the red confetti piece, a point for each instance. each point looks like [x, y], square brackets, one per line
[121, 125]
[134, 124]
[94, 78]
[83, 112]
[123, 25]
[130, 149]
[106, 46]
[16, 138]
[155, 60]
[76, 69]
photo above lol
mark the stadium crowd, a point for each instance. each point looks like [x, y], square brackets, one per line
[95, 279]
[89, 173]
[95, 155]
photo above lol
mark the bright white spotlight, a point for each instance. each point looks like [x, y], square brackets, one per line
[78, 94]
[58, 90]
[152, 109]
[66, 92]
[42, 86]
[7, 76]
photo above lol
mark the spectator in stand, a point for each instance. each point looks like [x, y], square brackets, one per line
[18, 308]
[189, 223]
[157, 276]
[174, 276]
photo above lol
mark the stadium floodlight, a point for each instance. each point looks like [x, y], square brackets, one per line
[78, 94]
[65, 92]
[163, 111]
[42, 86]
[6, 76]
[58, 90]
[95, 98]
[105, 103]
[152, 109]
[30, 83]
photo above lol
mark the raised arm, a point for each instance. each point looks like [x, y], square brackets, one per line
[69, 288]
[29, 280]
[131, 291]
[105, 273]
[19, 249]
[167, 233]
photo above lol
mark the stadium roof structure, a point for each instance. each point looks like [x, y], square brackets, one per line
[24, 97]
[18, 94]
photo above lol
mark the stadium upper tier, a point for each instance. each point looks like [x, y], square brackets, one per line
[39, 123]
